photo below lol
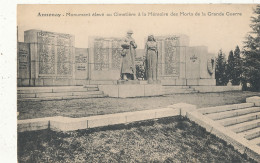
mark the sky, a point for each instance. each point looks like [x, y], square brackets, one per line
[217, 32]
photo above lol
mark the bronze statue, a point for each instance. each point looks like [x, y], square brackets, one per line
[151, 53]
[128, 70]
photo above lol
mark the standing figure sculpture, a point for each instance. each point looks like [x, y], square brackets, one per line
[128, 70]
[151, 53]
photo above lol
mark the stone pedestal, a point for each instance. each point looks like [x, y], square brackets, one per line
[120, 82]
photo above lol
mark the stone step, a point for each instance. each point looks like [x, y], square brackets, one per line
[224, 108]
[191, 91]
[233, 113]
[169, 92]
[26, 95]
[75, 89]
[55, 89]
[57, 94]
[87, 93]
[178, 87]
[32, 90]
[90, 86]
[239, 119]
[63, 98]
[176, 91]
[255, 141]
[245, 126]
[251, 134]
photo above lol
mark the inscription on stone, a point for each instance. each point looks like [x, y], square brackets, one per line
[172, 58]
[55, 54]
[116, 54]
[168, 56]
[101, 55]
[64, 60]
[44, 37]
[46, 59]
[107, 53]
[81, 62]
[23, 59]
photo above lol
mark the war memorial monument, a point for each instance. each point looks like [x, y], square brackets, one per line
[51, 59]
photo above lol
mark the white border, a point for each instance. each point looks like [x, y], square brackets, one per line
[8, 134]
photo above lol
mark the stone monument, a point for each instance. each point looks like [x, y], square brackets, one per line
[180, 64]
[50, 59]
[128, 70]
[105, 58]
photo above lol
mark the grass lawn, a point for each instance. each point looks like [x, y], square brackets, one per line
[97, 106]
[165, 140]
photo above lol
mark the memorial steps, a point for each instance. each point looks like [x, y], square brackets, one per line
[242, 119]
[59, 93]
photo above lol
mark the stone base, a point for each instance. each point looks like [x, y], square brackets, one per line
[61, 82]
[189, 82]
[217, 88]
[254, 99]
[128, 82]
[131, 90]
[80, 82]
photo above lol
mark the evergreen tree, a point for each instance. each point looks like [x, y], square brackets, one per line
[230, 66]
[221, 69]
[251, 52]
[237, 67]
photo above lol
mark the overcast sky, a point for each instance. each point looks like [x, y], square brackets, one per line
[216, 32]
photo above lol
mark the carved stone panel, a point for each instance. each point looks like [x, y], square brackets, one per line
[107, 54]
[116, 54]
[172, 58]
[23, 61]
[64, 64]
[46, 59]
[46, 38]
[168, 55]
[55, 54]
[101, 55]
[81, 63]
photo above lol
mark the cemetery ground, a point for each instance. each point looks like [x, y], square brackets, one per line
[173, 139]
[100, 106]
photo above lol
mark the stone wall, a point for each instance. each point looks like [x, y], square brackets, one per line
[171, 53]
[23, 60]
[105, 58]
[48, 58]
[55, 52]
[51, 58]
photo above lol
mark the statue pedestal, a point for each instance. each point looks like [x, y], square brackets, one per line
[128, 82]
[131, 90]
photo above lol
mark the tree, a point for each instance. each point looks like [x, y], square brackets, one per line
[251, 52]
[221, 69]
[237, 67]
[230, 66]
